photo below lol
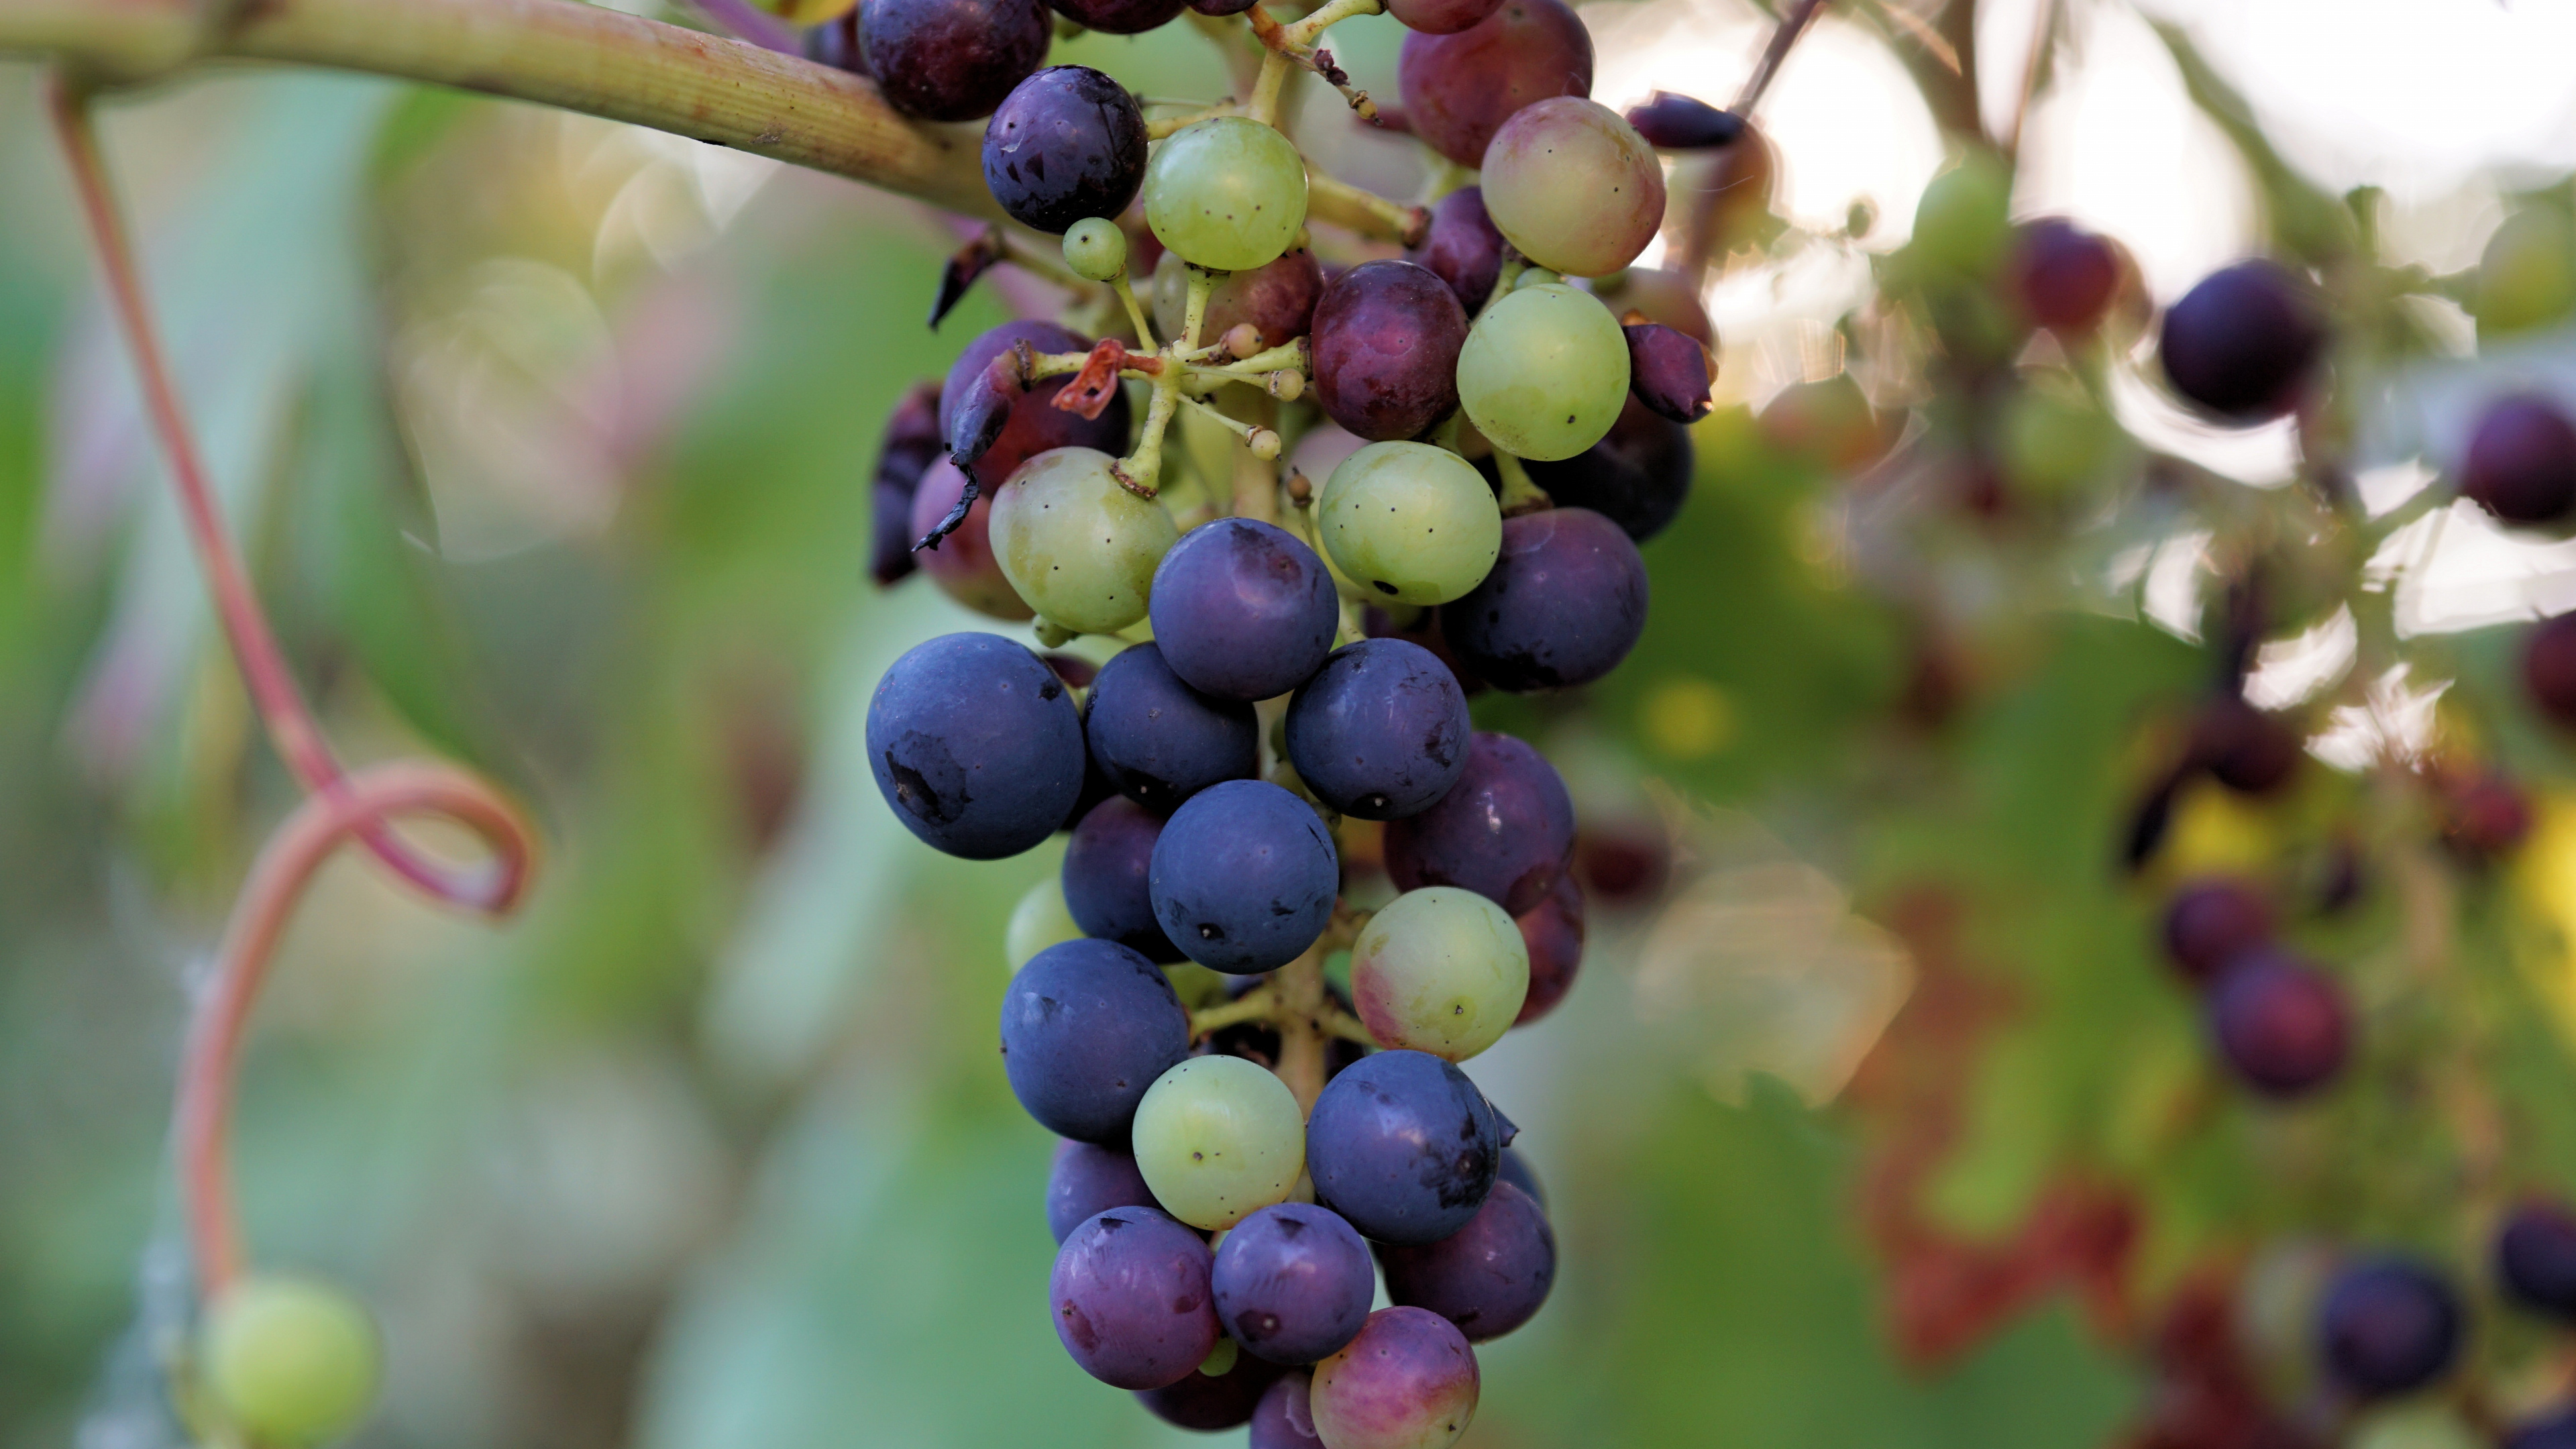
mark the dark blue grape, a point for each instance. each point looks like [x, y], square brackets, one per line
[1381, 731]
[1404, 1147]
[1206, 1405]
[1244, 877]
[1488, 1277]
[2388, 1326]
[975, 745]
[1282, 1420]
[1119, 17]
[911, 445]
[2280, 1023]
[1638, 475]
[1564, 604]
[1106, 888]
[1036, 424]
[1517, 1171]
[1386, 337]
[1243, 610]
[1668, 371]
[1086, 1027]
[1292, 1283]
[2535, 1258]
[2521, 464]
[1160, 741]
[1130, 1290]
[2556, 1430]
[1682, 123]
[952, 60]
[2242, 342]
[1087, 1179]
[1504, 831]
[1068, 143]
[1463, 247]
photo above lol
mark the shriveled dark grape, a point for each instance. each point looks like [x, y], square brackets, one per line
[1068, 143]
[1668, 371]
[1681, 123]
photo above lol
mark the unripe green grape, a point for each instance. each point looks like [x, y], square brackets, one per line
[1536, 277]
[2527, 275]
[1095, 248]
[2414, 1426]
[1218, 1139]
[1964, 221]
[1413, 523]
[1572, 185]
[1440, 970]
[1544, 372]
[290, 1362]
[2052, 443]
[1076, 545]
[1228, 193]
[1040, 920]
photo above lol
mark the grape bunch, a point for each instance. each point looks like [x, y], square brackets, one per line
[1300, 887]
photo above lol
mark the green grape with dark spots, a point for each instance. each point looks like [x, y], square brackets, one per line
[1544, 372]
[1412, 523]
[1228, 193]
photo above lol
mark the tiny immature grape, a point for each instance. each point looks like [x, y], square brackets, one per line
[1075, 543]
[1544, 373]
[1219, 1138]
[1096, 249]
[1228, 193]
[1440, 970]
[1413, 523]
[291, 1362]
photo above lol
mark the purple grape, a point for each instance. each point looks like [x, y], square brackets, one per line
[975, 745]
[1292, 1283]
[1068, 143]
[2549, 668]
[1386, 339]
[1120, 17]
[1277, 299]
[2212, 922]
[1105, 878]
[1404, 1147]
[911, 445]
[1564, 604]
[1206, 1405]
[1087, 1179]
[1381, 731]
[1440, 17]
[835, 43]
[1423, 631]
[2388, 1326]
[2063, 276]
[2483, 819]
[1036, 424]
[963, 566]
[1409, 1381]
[2242, 342]
[1488, 1277]
[1516, 1171]
[2521, 464]
[1668, 371]
[1243, 610]
[952, 60]
[1553, 932]
[2280, 1023]
[1681, 123]
[1638, 476]
[1463, 247]
[1504, 831]
[1160, 741]
[1283, 1420]
[2535, 1258]
[2243, 748]
[1130, 1291]
[1086, 1027]
[2556, 1430]
[1244, 877]
[1459, 89]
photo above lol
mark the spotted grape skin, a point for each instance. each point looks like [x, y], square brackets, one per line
[1068, 144]
[1459, 89]
[1381, 731]
[1404, 1147]
[1104, 878]
[291, 1362]
[1293, 1283]
[1552, 931]
[1243, 609]
[1087, 1027]
[1218, 1139]
[975, 745]
[1036, 424]
[1386, 340]
[1638, 476]
[1205, 1404]
[963, 566]
[1130, 1292]
[1409, 1381]
[1411, 522]
[2243, 341]
[1228, 193]
[1077, 545]
[1086, 1179]
[1462, 247]
[952, 60]
[1504, 831]
[1544, 372]
[1564, 603]
[1439, 970]
[1160, 741]
[1573, 186]
[1244, 877]
[1488, 1277]
[1277, 299]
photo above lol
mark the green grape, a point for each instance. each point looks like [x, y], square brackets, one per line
[1039, 921]
[290, 1362]
[1440, 970]
[1413, 522]
[2414, 1426]
[2053, 442]
[1228, 193]
[1964, 221]
[1573, 186]
[1077, 546]
[2527, 275]
[1544, 372]
[1095, 248]
[1536, 277]
[1219, 1139]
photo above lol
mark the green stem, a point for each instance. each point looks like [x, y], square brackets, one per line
[1254, 1005]
[1362, 211]
[1520, 494]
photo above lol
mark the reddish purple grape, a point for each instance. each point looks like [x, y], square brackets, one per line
[1440, 17]
[1068, 143]
[952, 60]
[911, 445]
[1120, 17]
[2486, 817]
[2242, 342]
[2212, 922]
[2521, 464]
[1463, 247]
[2535, 1258]
[1292, 1283]
[1087, 1179]
[1459, 89]
[2244, 748]
[1160, 741]
[1130, 1290]
[1504, 831]
[1680, 123]
[1565, 602]
[1205, 1405]
[1386, 340]
[1277, 299]
[2063, 276]
[1243, 609]
[2387, 1326]
[1488, 1277]
[1409, 1381]
[2549, 668]
[1624, 863]
[963, 565]
[1638, 476]
[2281, 1023]
[1283, 1419]
[1105, 870]
[1381, 731]
[1553, 932]
[1668, 371]
[1036, 425]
